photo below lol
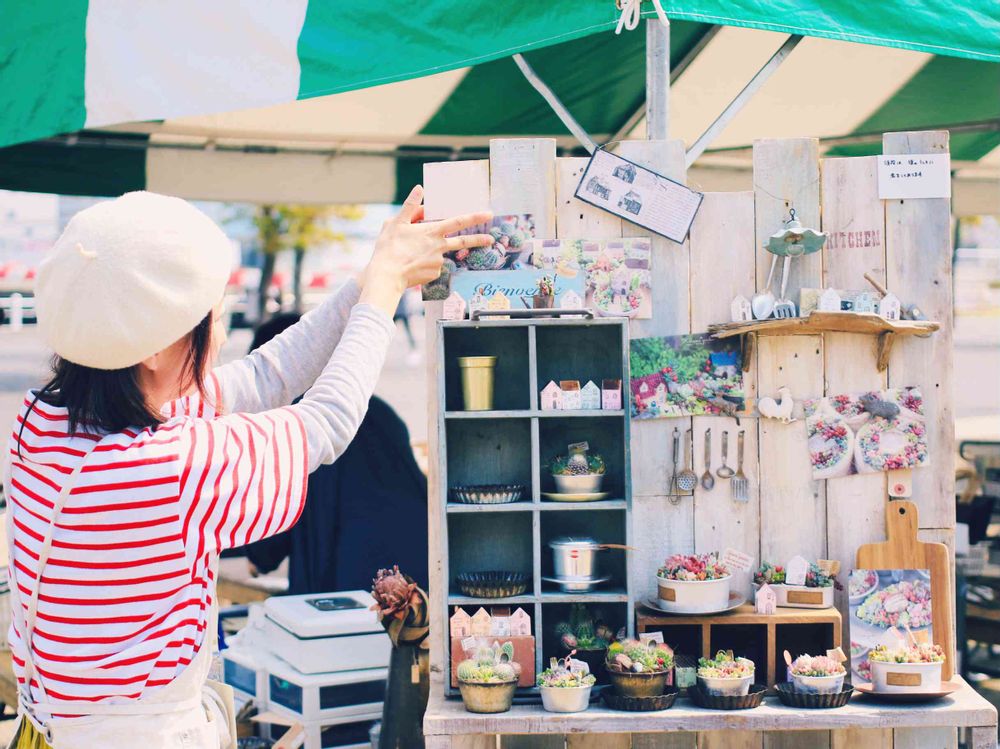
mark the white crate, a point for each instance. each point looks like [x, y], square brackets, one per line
[323, 697]
[244, 671]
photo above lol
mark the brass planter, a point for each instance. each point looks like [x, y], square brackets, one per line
[644, 684]
[492, 697]
[477, 381]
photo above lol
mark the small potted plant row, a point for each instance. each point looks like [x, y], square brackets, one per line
[487, 680]
[693, 584]
[817, 593]
[565, 685]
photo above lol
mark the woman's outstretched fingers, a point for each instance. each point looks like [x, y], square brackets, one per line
[412, 205]
[457, 223]
[468, 240]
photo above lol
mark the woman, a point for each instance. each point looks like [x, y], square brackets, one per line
[135, 466]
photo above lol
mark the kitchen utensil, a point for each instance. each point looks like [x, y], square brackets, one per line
[687, 479]
[762, 303]
[487, 494]
[707, 480]
[910, 311]
[492, 584]
[788, 696]
[784, 308]
[735, 601]
[587, 483]
[576, 496]
[725, 472]
[868, 690]
[574, 557]
[477, 381]
[902, 551]
[740, 483]
[640, 704]
[739, 702]
[577, 586]
[672, 484]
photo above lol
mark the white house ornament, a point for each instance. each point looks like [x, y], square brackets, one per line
[551, 399]
[888, 307]
[454, 307]
[829, 301]
[590, 397]
[765, 600]
[476, 303]
[740, 310]
[864, 302]
[498, 302]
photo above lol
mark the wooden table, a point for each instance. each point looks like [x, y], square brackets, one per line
[448, 726]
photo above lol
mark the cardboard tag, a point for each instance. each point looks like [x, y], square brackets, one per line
[651, 637]
[668, 594]
[795, 571]
[896, 679]
[805, 596]
[578, 448]
[469, 644]
[918, 175]
[836, 654]
[737, 560]
[639, 195]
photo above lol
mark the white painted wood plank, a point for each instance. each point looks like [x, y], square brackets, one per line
[532, 742]
[786, 175]
[474, 742]
[522, 180]
[926, 738]
[599, 741]
[723, 266]
[675, 740]
[574, 218]
[454, 187]
[918, 267]
[869, 738]
[853, 217]
[668, 527]
[730, 740]
[797, 740]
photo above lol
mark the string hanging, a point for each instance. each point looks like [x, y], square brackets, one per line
[631, 12]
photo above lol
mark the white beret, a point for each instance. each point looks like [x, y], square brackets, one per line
[128, 277]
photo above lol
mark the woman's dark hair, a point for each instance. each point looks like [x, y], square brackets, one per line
[110, 400]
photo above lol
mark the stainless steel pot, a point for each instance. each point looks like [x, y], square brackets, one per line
[574, 557]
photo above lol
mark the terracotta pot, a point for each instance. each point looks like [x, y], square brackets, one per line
[494, 697]
[645, 684]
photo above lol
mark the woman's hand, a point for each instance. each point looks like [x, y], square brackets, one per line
[408, 253]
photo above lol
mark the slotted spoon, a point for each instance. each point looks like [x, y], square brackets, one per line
[687, 479]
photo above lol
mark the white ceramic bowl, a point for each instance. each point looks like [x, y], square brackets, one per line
[693, 596]
[738, 687]
[587, 483]
[565, 699]
[819, 684]
[906, 677]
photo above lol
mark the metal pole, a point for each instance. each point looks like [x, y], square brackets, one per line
[657, 80]
[557, 106]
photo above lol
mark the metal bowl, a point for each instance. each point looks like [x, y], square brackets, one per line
[492, 584]
[488, 494]
[583, 484]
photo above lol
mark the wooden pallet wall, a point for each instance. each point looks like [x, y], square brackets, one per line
[693, 283]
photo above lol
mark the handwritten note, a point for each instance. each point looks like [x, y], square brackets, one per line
[639, 195]
[737, 560]
[906, 176]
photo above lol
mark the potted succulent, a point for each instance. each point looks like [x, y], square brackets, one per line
[578, 473]
[817, 593]
[693, 584]
[916, 668]
[545, 297]
[639, 669]
[725, 675]
[588, 638]
[565, 685]
[487, 680]
[817, 674]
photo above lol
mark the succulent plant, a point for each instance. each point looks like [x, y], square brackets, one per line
[504, 672]
[639, 657]
[490, 664]
[582, 631]
[467, 670]
[565, 673]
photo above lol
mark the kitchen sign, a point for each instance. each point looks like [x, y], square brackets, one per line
[906, 176]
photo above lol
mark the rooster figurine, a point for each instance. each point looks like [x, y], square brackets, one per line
[781, 410]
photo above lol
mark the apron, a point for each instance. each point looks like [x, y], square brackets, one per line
[191, 712]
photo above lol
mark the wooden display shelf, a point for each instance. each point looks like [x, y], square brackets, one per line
[648, 619]
[965, 708]
[543, 506]
[827, 322]
[538, 414]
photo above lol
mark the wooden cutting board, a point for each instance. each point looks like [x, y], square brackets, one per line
[904, 552]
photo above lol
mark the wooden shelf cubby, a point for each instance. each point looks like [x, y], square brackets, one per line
[513, 444]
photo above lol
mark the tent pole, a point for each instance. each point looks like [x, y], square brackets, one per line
[734, 107]
[657, 80]
[553, 101]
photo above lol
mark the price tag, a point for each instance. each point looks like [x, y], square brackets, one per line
[469, 644]
[924, 175]
[651, 637]
[578, 448]
[737, 560]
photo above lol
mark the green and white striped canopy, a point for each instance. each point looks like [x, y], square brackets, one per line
[333, 102]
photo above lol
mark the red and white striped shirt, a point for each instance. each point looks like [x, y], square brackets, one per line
[126, 593]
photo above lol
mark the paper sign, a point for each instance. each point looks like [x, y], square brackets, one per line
[795, 571]
[737, 560]
[906, 176]
[639, 195]
[651, 637]
[517, 285]
[469, 644]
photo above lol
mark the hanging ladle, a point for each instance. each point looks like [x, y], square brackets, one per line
[762, 304]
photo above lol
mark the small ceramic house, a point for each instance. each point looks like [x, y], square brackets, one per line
[461, 623]
[454, 307]
[500, 623]
[829, 301]
[765, 600]
[499, 301]
[611, 395]
[740, 310]
[520, 623]
[572, 398]
[864, 302]
[477, 302]
[571, 300]
[481, 623]
[888, 308]
[590, 397]
[795, 571]
[551, 399]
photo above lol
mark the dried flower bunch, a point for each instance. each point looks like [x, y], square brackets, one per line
[774, 574]
[725, 666]
[401, 606]
[817, 665]
[923, 653]
[693, 567]
[582, 632]
[563, 674]
[490, 665]
[639, 657]
[578, 465]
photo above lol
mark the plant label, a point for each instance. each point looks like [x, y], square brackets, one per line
[469, 644]
[795, 571]
[578, 448]
[737, 560]
[651, 637]
[907, 176]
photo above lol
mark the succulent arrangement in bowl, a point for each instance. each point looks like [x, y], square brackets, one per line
[693, 584]
[817, 592]
[693, 568]
[578, 472]
[817, 674]
[488, 679]
[923, 653]
[588, 637]
[725, 675]
[639, 669]
[913, 668]
[565, 685]
[773, 574]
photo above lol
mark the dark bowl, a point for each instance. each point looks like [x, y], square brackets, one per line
[492, 583]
